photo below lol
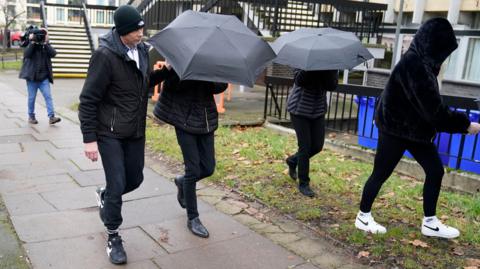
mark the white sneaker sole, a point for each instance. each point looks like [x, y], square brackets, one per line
[434, 234]
[365, 228]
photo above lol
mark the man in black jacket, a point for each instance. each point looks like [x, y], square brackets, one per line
[112, 113]
[37, 71]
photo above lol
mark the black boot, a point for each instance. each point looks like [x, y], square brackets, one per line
[305, 189]
[197, 228]
[292, 168]
[180, 198]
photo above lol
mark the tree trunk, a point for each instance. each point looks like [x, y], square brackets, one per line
[5, 39]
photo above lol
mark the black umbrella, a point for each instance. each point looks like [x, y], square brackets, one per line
[320, 49]
[212, 47]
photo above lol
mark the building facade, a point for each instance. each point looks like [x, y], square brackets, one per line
[464, 64]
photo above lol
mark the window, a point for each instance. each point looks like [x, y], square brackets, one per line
[33, 13]
[60, 14]
[451, 63]
[472, 66]
[100, 16]
[34, 1]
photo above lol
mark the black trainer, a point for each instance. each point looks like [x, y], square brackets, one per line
[99, 193]
[115, 250]
[54, 120]
[306, 190]
[197, 228]
[292, 169]
[179, 183]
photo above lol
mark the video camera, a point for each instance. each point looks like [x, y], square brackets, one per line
[38, 35]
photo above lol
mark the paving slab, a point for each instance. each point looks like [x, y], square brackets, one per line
[10, 148]
[23, 158]
[155, 210]
[89, 178]
[246, 252]
[57, 225]
[174, 236]
[59, 182]
[75, 198]
[27, 204]
[88, 251]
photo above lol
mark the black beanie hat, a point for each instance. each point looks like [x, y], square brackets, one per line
[127, 19]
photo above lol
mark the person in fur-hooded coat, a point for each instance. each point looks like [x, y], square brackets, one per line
[409, 114]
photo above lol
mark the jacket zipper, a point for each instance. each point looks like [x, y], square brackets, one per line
[206, 120]
[113, 119]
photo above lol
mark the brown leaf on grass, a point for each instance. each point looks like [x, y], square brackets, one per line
[458, 251]
[235, 151]
[258, 162]
[241, 159]
[470, 267]
[285, 172]
[444, 217]
[473, 262]
[245, 145]
[231, 177]
[247, 163]
[419, 243]
[388, 195]
[362, 254]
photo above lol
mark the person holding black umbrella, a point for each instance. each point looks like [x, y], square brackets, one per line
[409, 114]
[307, 104]
[190, 107]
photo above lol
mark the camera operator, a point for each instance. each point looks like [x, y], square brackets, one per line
[37, 71]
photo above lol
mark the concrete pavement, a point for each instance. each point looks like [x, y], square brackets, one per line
[48, 188]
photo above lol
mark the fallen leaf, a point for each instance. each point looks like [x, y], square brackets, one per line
[419, 243]
[236, 151]
[241, 159]
[285, 172]
[473, 262]
[291, 257]
[444, 217]
[470, 267]
[332, 135]
[363, 254]
[231, 177]
[458, 252]
[163, 235]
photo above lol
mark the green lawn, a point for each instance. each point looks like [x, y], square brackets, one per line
[11, 65]
[251, 160]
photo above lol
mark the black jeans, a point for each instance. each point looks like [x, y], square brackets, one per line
[199, 158]
[310, 139]
[389, 152]
[123, 161]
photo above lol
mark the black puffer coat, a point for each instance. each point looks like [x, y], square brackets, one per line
[308, 97]
[188, 104]
[411, 107]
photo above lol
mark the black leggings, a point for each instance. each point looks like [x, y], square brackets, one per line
[310, 138]
[199, 158]
[389, 152]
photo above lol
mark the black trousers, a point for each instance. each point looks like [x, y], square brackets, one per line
[199, 158]
[389, 152]
[123, 161]
[310, 139]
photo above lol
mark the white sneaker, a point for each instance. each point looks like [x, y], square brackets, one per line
[432, 226]
[365, 222]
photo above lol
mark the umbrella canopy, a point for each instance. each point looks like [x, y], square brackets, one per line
[212, 47]
[320, 49]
